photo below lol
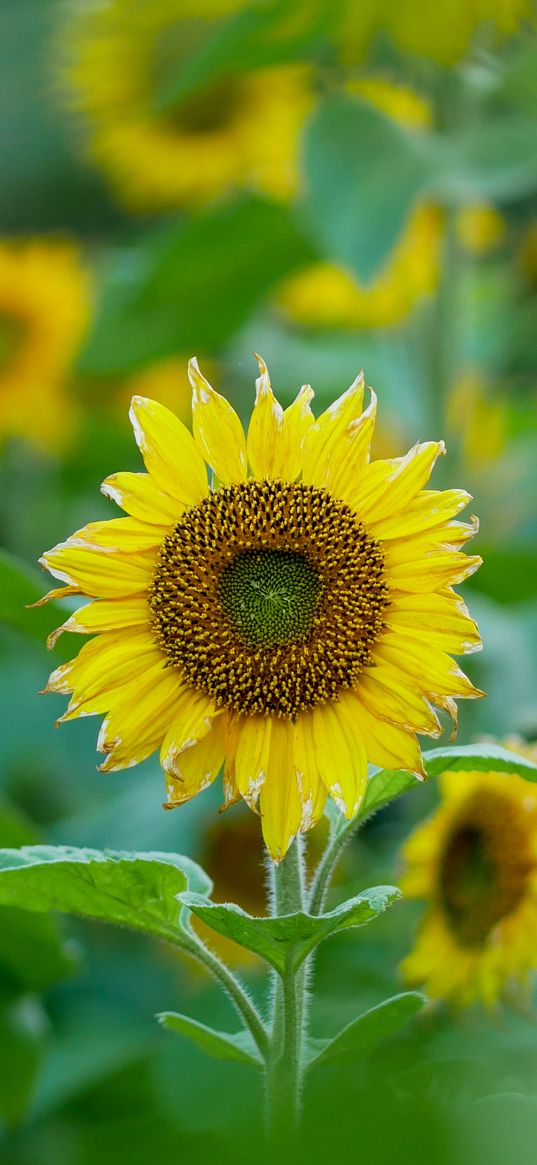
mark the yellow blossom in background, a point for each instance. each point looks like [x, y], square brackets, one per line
[442, 31]
[44, 310]
[479, 228]
[289, 622]
[240, 131]
[479, 422]
[327, 295]
[475, 864]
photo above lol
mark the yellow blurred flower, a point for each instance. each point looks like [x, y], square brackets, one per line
[479, 228]
[241, 131]
[44, 309]
[165, 381]
[478, 421]
[327, 295]
[443, 30]
[475, 863]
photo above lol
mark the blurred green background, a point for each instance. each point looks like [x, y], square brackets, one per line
[335, 186]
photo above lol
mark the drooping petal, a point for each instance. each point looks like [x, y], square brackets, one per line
[104, 615]
[135, 726]
[168, 450]
[229, 784]
[391, 696]
[322, 440]
[192, 720]
[387, 745]
[218, 432]
[139, 495]
[268, 438]
[198, 766]
[55, 593]
[297, 420]
[280, 804]
[99, 573]
[435, 673]
[341, 756]
[312, 790]
[251, 759]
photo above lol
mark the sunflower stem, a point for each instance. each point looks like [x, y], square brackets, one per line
[233, 987]
[285, 1060]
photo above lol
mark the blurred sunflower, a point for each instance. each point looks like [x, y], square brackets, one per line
[44, 309]
[289, 625]
[241, 130]
[475, 863]
[329, 296]
[441, 31]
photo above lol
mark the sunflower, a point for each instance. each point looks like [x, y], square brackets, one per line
[240, 130]
[44, 308]
[475, 863]
[288, 624]
[327, 295]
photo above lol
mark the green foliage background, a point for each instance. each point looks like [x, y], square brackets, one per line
[86, 1075]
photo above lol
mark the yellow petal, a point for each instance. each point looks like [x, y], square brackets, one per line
[341, 755]
[105, 663]
[104, 615]
[385, 694]
[280, 805]
[137, 721]
[55, 593]
[129, 534]
[297, 420]
[192, 721]
[429, 508]
[231, 791]
[386, 745]
[439, 616]
[268, 439]
[197, 767]
[251, 760]
[434, 672]
[353, 452]
[323, 437]
[97, 572]
[386, 487]
[431, 572]
[138, 494]
[168, 450]
[218, 432]
[313, 792]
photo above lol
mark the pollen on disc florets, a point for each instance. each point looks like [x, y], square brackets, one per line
[484, 869]
[269, 596]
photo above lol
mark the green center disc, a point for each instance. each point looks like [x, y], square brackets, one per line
[270, 596]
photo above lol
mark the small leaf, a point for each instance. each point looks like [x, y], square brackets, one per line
[221, 1045]
[363, 174]
[385, 785]
[287, 941]
[135, 890]
[369, 1029]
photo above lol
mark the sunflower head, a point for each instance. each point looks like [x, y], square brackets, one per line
[475, 863]
[286, 620]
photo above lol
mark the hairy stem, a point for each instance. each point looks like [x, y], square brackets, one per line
[232, 986]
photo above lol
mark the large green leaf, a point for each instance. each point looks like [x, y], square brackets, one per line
[386, 784]
[363, 173]
[286, 941]
[189, 286]
[221, 1045]
[135, 890]
[368, 1029]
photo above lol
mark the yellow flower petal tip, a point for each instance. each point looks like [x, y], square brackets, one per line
[287, 620]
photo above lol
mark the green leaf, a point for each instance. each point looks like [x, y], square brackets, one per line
[386, 784]
[492, 160]
[369, 1029]
[22, 1031]
[189, 286]
[363, 174]
[21, 585]
[135, 890]
[286, 941]
[220, 1045]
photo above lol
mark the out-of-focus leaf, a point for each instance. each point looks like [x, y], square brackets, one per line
[135, 890]
[286, 941]
[22, 1029]
[363, 173]
[491, 160]
[385, 785]
[369, 1029]
[20, 586]
[221, 1045]
[189, 286]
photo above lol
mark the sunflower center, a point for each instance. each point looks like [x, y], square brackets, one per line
[269, 596]
[484, 868]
